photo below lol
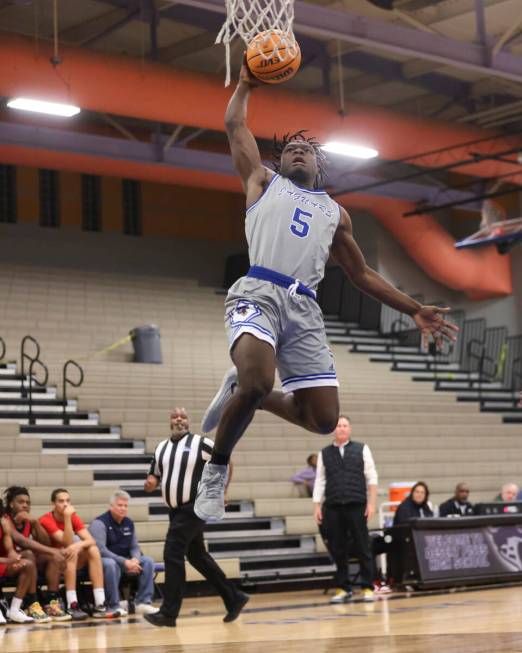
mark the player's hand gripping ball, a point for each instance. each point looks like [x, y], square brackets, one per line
[273, 56]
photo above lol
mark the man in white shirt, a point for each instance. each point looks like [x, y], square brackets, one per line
[345, 497]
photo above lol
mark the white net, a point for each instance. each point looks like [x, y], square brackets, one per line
[246, 19]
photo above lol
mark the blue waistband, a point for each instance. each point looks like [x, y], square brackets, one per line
[259, 272]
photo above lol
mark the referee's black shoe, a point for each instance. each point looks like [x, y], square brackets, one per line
[235, 610]
[160, 619]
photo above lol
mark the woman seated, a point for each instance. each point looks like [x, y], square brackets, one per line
[415, 506]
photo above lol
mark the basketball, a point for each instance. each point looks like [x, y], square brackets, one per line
[273, 56]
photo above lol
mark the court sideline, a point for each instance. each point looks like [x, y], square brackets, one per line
[479, 621]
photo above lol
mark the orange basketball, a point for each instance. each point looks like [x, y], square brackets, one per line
[273, 56]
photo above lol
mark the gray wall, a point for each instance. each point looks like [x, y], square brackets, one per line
[69, 247]
[205, 261]
[398, 267]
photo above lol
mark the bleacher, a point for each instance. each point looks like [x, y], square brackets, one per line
[112, 422]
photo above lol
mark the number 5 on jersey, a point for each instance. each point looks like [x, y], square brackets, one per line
[300, 226]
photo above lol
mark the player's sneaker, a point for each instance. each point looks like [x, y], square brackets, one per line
[103, 612]
[368, 595]
[341, 596]
[55, 610]
[213, 413]
[36, 611]
[77, 614]
[210, 500]
[146, 608]
[19, 616]
[2, 618]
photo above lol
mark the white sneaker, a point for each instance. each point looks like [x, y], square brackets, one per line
[213, 413]
[146, 608]
[210, 500]
[341, 596]
[368, 595]
[124, 605]
[2, 618]
[18, 616]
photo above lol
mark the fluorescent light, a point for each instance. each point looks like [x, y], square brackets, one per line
[350, 149]
[40, 106]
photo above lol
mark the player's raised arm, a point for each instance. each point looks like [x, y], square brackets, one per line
[243, 146]
[429, 319]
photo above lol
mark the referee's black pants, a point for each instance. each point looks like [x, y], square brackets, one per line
[345, 532]
[185, 538]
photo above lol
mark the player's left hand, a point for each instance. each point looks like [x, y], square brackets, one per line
[430, 320]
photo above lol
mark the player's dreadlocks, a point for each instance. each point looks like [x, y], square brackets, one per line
[11, 493]
[279, 146]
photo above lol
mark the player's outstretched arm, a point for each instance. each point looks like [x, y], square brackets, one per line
[429, 319]
[243, 146]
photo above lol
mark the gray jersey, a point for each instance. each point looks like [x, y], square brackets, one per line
[290, 230]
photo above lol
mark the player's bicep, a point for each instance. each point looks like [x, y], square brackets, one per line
[346, 251]
[244, 149]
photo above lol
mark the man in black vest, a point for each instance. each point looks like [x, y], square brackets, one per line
[347, 482]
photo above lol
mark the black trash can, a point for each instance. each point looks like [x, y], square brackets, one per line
[146, 342]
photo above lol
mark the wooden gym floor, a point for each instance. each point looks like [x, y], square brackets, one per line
[484, 621]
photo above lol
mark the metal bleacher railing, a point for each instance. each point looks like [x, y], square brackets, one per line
[66, 380]
[498, 363]
[517, 374]
[34, 361]
[512, 372]
[28, 363]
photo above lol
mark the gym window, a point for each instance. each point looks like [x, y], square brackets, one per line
[7, 193]
[131, 207]
[49, 199]
[91, 203]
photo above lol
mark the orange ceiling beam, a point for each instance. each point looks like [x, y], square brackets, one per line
[96, 165]
[137, 88]
[129, 87]
[480, 273]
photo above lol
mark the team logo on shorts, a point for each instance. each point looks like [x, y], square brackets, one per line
[243, 312]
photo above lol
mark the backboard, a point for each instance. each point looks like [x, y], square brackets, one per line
[504, 235]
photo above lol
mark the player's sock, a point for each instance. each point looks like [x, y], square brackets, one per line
[219, 458]
[16, 604]
[30, 598]
[71, 597]
[99, 596]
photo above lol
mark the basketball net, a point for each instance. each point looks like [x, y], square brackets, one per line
[247, 18]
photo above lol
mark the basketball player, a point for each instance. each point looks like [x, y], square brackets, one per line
[272, 317]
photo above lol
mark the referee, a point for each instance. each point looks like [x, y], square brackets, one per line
[177, 465]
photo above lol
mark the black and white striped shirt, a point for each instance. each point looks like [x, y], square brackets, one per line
[179, 465]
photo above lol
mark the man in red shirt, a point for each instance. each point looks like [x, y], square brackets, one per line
[67, 531]
[32, 540]
[13, 565]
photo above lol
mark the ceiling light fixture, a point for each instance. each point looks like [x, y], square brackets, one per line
[350, 149]
[40, 106]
